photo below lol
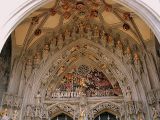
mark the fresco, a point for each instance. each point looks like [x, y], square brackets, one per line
[91, 82]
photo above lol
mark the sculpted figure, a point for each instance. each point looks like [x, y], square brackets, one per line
[110, 42]
[29, 111]
[89, 32]
[45, 52]
[119, 48]
[137, 63]
[53, 46]
[38, 99]
[128, 94]
[103, 38]
[67, 36]
[61, 70]
[128, 55]
[28, 69]
[81, 29]
[74, 34]
[60, 42]
[96, 34]
[82, 115]
[37, 59]
[15, 115]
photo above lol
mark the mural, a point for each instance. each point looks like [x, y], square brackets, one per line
[89, 81]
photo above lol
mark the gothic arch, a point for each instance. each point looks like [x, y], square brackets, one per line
[109, 59]
[105, 107]
[43, 70]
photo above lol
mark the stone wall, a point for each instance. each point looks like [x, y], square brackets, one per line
[5, 65]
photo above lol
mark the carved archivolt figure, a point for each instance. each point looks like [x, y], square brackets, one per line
[110, 42]
[45, 52]
[137, 63]
[103, 38]
[128, 56]
[67, 36]
[128, 94]
[38, 99]
[53, 46]
[28, 69]
[89, 31]
[119, 48]
[60, 42]
[37, 59]
[74, 34]
[61, 70]
[96, 34]
[81, 29]
[15, 115]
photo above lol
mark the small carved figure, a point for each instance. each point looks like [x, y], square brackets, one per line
[37, 59]
[103, 38]
[38, 99]
[67, 36]
[137, 63]
[74, 33]
[15, 115]
[128, 94]
[53, 46]
[119, 49]
[61, 70]
[28, 69]
[96, 34]
[110, 42]
[81, 29]
[88, 31]
[60, 42]
[45, 52]
[128, 55]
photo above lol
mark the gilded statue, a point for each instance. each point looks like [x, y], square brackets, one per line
[82, 115]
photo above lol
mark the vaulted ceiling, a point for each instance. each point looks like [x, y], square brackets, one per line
[58, 13]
